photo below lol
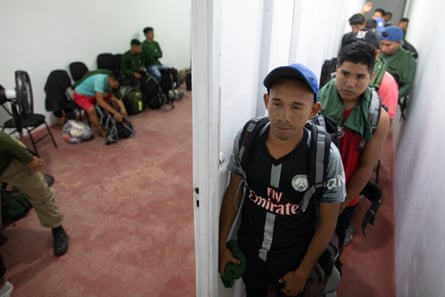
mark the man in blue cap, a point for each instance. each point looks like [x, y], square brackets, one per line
[400, 63]
[281, 238]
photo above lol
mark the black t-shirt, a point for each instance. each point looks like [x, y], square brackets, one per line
[272, 223]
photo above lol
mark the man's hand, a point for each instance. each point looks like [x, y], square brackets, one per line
[367, 8]
[36, 164]
[124, 112]
[294, 282]
[225, 257]
[118, 117]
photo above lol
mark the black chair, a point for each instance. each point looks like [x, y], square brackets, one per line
[107, 61]
[77, 70]
[22, 111]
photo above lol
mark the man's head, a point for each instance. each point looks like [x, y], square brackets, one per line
[378, 13]
[114, 79]
[403, 24]
[355, 65]
[291, 100]
[135, 46]
[390, 40]
[149, 33]
[367, 36]
[387, 16]
[357, 22]
[371, 24]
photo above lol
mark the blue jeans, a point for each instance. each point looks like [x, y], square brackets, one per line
[155, 70]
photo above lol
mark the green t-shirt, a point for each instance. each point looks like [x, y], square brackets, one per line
[12, 149]
[151, 53]
[131, 63]
[402, 66]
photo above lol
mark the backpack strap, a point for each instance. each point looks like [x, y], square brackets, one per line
[319, 147]
[248, 137]
[375, 108]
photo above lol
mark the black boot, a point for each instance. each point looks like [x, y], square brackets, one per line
[60, 241]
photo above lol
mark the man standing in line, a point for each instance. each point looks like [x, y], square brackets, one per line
[347, 99]
[282, 241]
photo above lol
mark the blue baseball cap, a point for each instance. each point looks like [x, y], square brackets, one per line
[293, 71]
[392, 33]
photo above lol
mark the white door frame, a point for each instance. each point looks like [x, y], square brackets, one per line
[205, 78]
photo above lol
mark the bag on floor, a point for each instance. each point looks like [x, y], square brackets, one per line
[153, 96]
[133, 102]
[75, 131]
[115, 130]
[169, 79]
[15, 205]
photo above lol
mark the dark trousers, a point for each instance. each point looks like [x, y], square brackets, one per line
[342, 224]
[260, 276]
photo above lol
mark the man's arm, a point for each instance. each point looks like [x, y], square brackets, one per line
[229, 208]
[295, 280]
[122, 109]
[368, 160]
[159, 51]
[406, 82]
[15, 148]
[102, 103]
[328, 214]
[366, 8]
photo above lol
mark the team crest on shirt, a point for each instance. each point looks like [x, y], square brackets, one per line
[300, 183]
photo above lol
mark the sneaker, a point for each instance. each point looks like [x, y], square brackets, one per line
[60, 241]
[6, 290]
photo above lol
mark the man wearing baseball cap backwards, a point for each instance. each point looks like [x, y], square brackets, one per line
[400, 63]
[280, 238]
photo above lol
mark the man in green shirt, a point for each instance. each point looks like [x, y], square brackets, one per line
[151, 53]
[20, 168]
[131, 63]
[400, 63]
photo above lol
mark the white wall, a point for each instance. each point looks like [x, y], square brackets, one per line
[40, 36]
[420, 163]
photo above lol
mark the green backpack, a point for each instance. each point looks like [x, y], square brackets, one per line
[15, 205]
[132, 100]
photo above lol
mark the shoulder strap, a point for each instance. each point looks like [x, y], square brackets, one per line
[375, 107]
[319, 147]
[247, 139]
